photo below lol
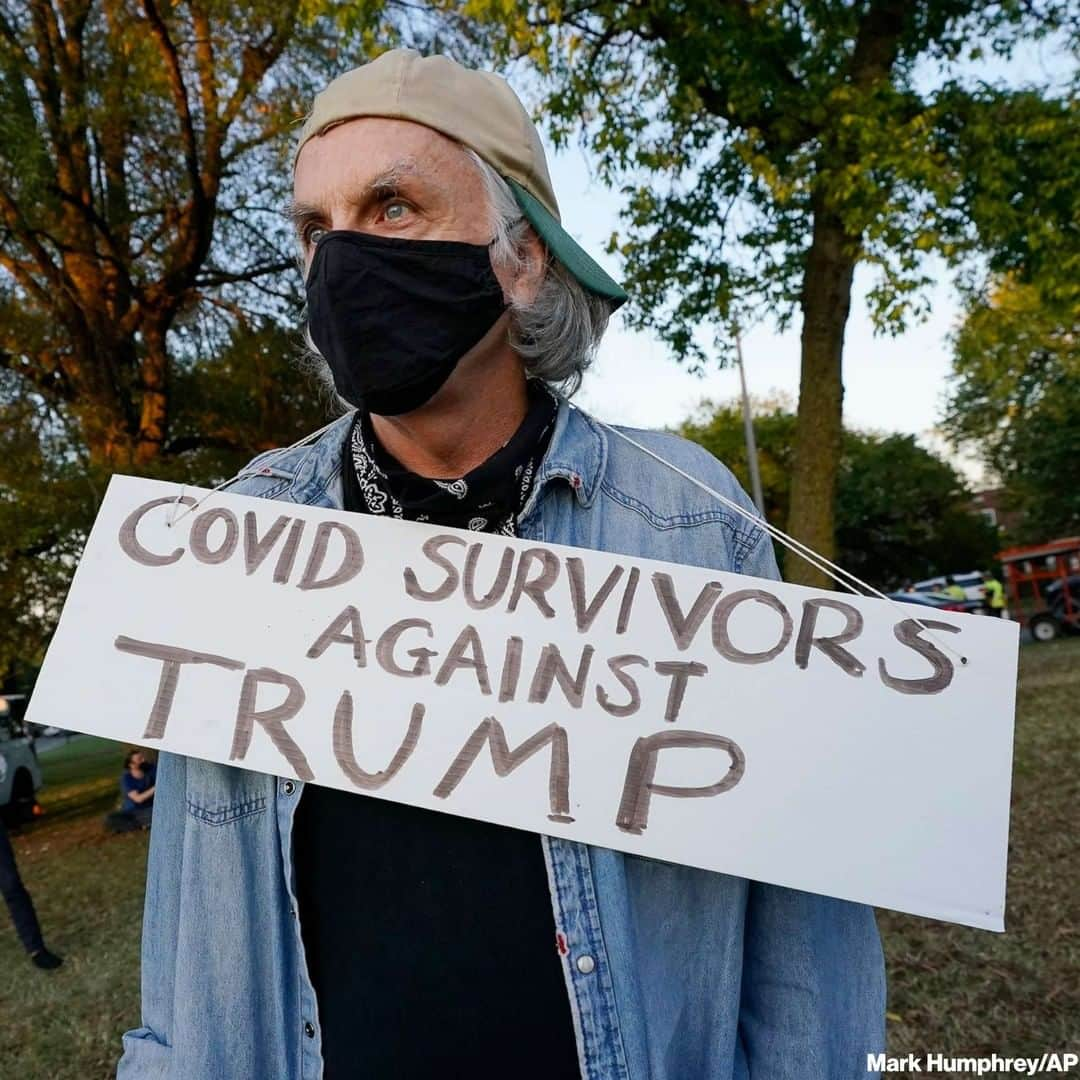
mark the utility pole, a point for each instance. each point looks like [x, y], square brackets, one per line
[748, 424]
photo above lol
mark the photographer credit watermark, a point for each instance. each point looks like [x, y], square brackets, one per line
[992, 1065]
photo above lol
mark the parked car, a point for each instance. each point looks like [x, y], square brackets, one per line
[43, 731]
[20, 774]
[971, 583]
[939, 601]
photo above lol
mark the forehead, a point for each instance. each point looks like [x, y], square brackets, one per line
[356, 153]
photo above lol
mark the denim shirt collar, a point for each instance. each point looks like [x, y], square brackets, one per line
[577, 455]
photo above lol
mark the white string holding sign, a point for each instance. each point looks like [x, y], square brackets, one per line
[236, 476]
[175, 507]
[797, 547]
[815, 559]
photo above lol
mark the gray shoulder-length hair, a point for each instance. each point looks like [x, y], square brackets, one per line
[556, 333]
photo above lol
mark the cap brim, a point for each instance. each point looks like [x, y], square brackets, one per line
[566, 249]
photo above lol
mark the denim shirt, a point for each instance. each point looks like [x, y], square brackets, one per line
[673, 973]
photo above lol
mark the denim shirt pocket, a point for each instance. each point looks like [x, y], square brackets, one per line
[219, 795]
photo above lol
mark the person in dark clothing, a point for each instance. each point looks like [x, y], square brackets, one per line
[22, 908]
[137, 784]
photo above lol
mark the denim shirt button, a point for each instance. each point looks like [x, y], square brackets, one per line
[288, 787]
[585, 964]
[309, 1030]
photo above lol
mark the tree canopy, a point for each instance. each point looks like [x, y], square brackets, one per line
[902, 512]
[144, 168]
[149, 293]
[1015, 397]
[765, 150]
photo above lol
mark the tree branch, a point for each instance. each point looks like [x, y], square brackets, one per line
[222, 277]
[208, 94]
[242, 146]
[112, 253]
[179, 92]
[193, 228]
[717, 98]
[53, 274]
[25, 279]
[30, 551]
[44, 374]
[45, 79]
[257, 61]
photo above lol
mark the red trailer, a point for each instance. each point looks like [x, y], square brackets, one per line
[1042, 582]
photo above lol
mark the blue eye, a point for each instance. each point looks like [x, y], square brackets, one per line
[314, 234]
[395, 211]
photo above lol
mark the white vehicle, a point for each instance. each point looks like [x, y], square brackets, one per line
[20, 774]
[971, 583]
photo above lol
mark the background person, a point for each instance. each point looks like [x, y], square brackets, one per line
[993, 595]
[138, 783]
[21, 908]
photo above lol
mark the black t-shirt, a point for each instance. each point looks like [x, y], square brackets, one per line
[430, 938]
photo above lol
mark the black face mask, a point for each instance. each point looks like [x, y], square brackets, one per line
[393, 317]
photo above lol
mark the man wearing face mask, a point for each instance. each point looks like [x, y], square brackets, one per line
[300, 932]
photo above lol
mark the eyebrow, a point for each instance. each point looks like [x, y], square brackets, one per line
[387, 183]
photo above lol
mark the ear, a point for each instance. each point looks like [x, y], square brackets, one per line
[526, 283]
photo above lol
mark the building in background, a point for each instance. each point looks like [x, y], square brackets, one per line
[993, 505]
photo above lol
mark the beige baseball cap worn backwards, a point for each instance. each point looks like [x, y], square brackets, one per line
[479, 110]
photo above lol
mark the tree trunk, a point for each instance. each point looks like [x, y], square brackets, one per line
[154, 410]
[826, 301]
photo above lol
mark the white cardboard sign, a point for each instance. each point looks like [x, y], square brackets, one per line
[803, 738]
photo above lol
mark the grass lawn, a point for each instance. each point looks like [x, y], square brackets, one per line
[87, 887]
[954, 990]
[971, 993]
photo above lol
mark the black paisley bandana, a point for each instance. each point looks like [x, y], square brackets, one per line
[488, 499]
